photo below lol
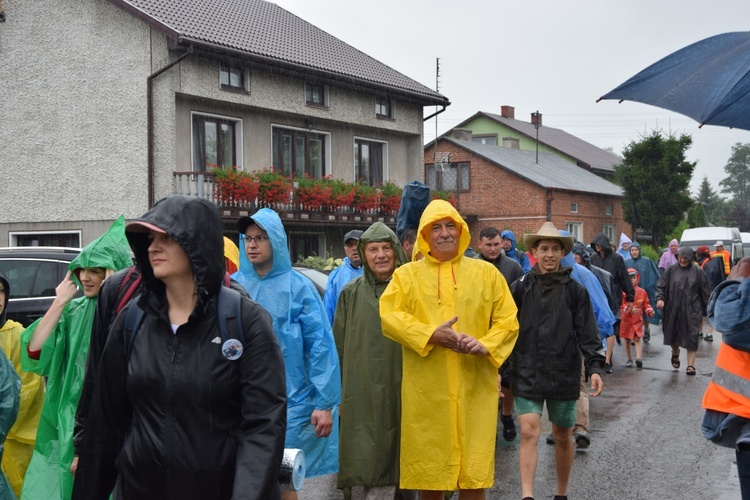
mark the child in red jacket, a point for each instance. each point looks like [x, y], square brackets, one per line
[631, 324]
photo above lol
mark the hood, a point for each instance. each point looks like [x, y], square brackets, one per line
[602, 241]
[632, 270]
[580, 249]
[623, 239]
[436, 210]
[195, 224]
[231, 255]
[270, 222]
[376, 233]
[568, 259]
[108, 251]
[686, 252]
[6, 286]
[508, 234]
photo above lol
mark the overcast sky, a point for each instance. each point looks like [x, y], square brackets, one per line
[553, 56]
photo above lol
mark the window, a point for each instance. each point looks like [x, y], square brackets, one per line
[370, 161]
[575, 229]
[574, 208]
[303, 245]
[383, 107]
[70, 239]
[215, 142]
[485, 139]
[297, 153]
[316, 95]
[608, 210]
[610, 230]
[232, 78]
[448, 177]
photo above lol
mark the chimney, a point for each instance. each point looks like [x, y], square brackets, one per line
[536, 118]
[508, 112]
[462, 134]
[511, 142]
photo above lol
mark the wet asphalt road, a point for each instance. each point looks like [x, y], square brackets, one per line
[645, 440]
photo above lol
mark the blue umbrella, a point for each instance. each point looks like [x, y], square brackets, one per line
[709, 81]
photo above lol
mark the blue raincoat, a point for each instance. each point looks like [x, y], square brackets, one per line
[337, 280]
[520, 257]
[313, 378]
[10, 398]
[649, 276]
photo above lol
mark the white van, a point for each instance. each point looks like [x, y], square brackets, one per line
[730, 236]
[746, 243]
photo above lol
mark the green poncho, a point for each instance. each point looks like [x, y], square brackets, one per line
[63, 361]
[371, 378]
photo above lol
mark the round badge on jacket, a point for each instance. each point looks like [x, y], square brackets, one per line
[232, 349]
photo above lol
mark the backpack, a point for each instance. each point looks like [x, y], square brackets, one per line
[228, 305]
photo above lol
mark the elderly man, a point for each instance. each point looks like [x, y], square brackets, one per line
[339, 277]
[558, 329]
[456, 321]
[682, 294]
[313, 379]
[719, 246]
[371, 373]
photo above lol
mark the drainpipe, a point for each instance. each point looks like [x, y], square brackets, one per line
[550, 198]
[150, 120]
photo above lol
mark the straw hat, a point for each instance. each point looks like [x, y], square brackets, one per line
[548, 231]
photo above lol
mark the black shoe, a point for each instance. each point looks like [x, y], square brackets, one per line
[646, 336]
[550, 438]
[607, 368]
[582, 439]
[708, 338]
[509, 428]
[639, 363]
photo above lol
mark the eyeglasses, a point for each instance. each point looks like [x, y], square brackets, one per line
[257, 239]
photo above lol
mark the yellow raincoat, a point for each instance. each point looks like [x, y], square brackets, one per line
[449, 400]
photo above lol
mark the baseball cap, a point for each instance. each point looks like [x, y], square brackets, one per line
[354, 234]
[703, 249]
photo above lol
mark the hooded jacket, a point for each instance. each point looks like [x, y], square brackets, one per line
[371, 377]
[63, 362]
[648, 276]
[337, 280]
[19, 443]
[176, 417]
[615, 264]
[10, 397]
[668, 257]
[624, 253]
[313, 379]
[514, 254]
[632, 322]
[449, 400]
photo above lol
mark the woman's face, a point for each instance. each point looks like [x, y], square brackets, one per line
[91, 278]
[167, 258]
[635, 252]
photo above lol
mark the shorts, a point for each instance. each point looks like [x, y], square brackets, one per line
[562, 413]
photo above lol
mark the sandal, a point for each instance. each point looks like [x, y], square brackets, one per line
[675, 360]
[690, 370]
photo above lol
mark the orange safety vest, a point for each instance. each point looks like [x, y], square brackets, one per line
[729, 389]
[727, 257]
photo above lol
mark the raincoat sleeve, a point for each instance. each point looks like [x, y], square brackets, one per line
[107, 423]
[339, 326]
[44, 365]
[331, 296]
[396, 317]
[604, 317]
[319, 347]
[729, 312]
[261, 434]
[10, 398]
[589, 340]
[503, 331]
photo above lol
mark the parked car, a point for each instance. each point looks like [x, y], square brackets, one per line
[318, 277]
[730, 236]
[33, 273]
[745, 243]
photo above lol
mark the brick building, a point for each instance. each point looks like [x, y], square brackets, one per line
[508, 188]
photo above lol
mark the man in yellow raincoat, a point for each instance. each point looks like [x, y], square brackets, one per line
[456, 320]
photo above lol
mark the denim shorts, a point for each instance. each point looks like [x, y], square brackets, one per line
[562, 413]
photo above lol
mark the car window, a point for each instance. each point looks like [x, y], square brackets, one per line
[30, 278]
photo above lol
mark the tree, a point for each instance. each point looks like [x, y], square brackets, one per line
[696, 216]
[714, 205]
[655, 177]
[738, 182]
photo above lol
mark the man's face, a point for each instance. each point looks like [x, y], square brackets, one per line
[579, 259]
[635, 252]
[625, 245]
[674, 247]
[507, 244]
[350, 248]
[490, 247]
[684, 261]
[720, 248]
[548, 254]
[408, 247]
[380, 258]
[258, 249]
[443, 235]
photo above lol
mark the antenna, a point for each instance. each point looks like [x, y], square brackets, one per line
[437, 89]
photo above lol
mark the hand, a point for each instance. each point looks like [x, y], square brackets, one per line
[596, 385]
[67, 289]
[74, 466]
[469, 345]
[651, 313]
[660, 304]
[742, 268]
[629, 307]
[445, 335]
[323, 422]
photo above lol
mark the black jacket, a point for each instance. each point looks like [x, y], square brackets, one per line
[179, 419]
[557, 325]
[508, 267]
[615, 264]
